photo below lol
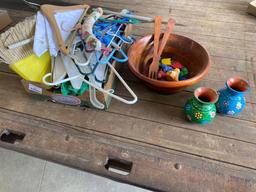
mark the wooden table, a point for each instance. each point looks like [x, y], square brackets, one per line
[151, 140]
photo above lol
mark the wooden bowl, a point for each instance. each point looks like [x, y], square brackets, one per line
[190, 53]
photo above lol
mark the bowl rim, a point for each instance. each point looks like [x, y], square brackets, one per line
[186, 82]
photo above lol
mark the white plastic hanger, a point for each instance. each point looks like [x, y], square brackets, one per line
[72, 71]
[92, 91]
[109, 92]
[58, 69]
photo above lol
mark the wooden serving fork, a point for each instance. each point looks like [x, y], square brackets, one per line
[153, 68]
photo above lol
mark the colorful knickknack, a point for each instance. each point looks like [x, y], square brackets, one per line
[201, 108]
[231, 99]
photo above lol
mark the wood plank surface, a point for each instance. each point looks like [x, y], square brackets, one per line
[153, 133]
[140, 122]
[169, 170]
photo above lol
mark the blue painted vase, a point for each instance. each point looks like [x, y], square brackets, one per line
[231, 99]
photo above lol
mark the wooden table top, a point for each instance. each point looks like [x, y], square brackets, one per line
[168, 153]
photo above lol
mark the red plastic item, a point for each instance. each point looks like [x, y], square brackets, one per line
[177, 64]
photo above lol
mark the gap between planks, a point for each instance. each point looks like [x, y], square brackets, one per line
[152, 157]
[141, 143]
[189, 32]
[22, 104]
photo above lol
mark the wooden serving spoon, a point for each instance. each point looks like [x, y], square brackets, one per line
[169, 29]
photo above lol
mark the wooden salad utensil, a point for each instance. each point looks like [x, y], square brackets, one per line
[169, 28]
[153, 70]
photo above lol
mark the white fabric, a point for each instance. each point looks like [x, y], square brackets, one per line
[40, 40]
[66, 21]
[44, 36]
[52, 42]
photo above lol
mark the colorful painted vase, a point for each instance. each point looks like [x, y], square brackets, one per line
[231, 99]
[201, 108]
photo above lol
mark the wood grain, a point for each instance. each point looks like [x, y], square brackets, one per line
[153, 134]
[53, 141]
[166, 128]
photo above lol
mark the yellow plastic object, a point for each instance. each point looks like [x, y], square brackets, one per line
[173, 75]
[166, 61]
[33, 68]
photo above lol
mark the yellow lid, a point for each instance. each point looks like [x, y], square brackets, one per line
[33, 68]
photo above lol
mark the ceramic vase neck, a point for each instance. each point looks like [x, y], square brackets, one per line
[201, 103]
[235, 92]
[204, 97]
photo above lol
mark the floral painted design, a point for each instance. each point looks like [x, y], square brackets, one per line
[188, 107]
[231, 112]
[231, 102]
[213, 113]
[198, 115]
[225, 103]
[238, 105]
[198, 112]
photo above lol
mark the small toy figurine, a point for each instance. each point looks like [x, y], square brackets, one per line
[183, 72]
[173, 75]
[182, 78]
[177, 64]
[166, 68]
[172, 70]
[166, 61]
[161, 74]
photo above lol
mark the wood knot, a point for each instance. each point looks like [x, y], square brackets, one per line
[67, 138]
[177, 166]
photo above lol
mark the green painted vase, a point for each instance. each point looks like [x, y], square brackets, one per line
[201, 108]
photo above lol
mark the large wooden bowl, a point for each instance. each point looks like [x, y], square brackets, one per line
[190, 53]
